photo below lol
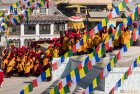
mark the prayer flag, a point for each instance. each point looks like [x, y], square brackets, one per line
[82, 73]
[94, 83]
[26, 90]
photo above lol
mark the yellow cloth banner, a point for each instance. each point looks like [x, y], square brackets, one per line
[124, 21]
[94, 83]
[84, 38]
[103, 22]
[52, 91]
[14, 6]
[100, 53]
[72, 74]
[62, 91]
[26, 90]
[112, 63]
[122, 79]
[128, 45]
[48, 73]
[90, 56]
[82, 73]
[133, 17]
[66, 55]
[120, 6]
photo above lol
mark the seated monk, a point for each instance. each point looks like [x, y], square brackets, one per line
[55, 53]
[37, 68]
[134, 34]
[125, 37]
[4, 64]
[47, 65]
[20, 68]
[10, 67]
[97, 40]
[90, 44]
[27, 68]
[104, 34]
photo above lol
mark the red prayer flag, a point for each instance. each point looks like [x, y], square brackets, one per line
[106, 46]
[101, 75]
[60, 86]
[55, 66]
[69, 84]
[129, 71]
[74, 49]
[89, 65]
[112, 91]
[79, 67]
[98, 48]
[91, 32]
[139, 10]
[119, 56]
[35, 83]
[110, 16]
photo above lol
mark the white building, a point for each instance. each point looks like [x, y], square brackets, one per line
[44, 23]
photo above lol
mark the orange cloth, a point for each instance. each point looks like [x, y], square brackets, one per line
[55, 53]
[5, 62]
[134, 34]
[45, 61]
[85, 46]
[65, 41]
[125, 37]
[97, 40]
[27, 67]
[20, 67]
[90, 43]
[10, 65]
[104, 36]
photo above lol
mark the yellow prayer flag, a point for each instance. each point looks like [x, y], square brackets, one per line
[52, 91]
[138, 60]
[95, 83]
[124, 21]
[103, 22]
[14, 5]
[48, 72]
[90, 56]
[82, 73]
[66, 55]
[112, 63]
[72, 74]
[128, 45]
[62, 91]
[26, 90]
[133, 17]
[122, 79]
[84, 38]
[120, 6]
[100, 53]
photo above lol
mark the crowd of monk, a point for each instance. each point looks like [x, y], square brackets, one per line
[32, 61]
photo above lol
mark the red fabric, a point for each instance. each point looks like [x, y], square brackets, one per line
[89, 65]
[74, 49]
[79, 67]
[129, 71]
[139, 10]
[91, 32]
[101, 75]
[110, 16]
[55, 67]
[35, 83]
[60, 85]
[118, 56]
[1, 77]
[106, 46]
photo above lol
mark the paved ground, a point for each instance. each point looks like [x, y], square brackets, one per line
[15, 84]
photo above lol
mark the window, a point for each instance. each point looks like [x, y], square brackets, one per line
[29, 29]
[42, 10]
[15, 30]
[58, 28]
[44, 28]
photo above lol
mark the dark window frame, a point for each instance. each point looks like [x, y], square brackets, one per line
[45, 29]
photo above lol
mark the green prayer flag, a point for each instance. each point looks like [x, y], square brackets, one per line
[30, 87]
[56, 89]
[86, 69]
[126, 75]
[115, 60]
[76, 70]
[66, 89]
[136, 15]
[131, 42]
[124, 4]
[70, 53]
[98, 79]
[88, 36]
[106, 20]
[103, 50]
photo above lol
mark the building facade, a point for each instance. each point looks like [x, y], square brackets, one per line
[42, 24]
